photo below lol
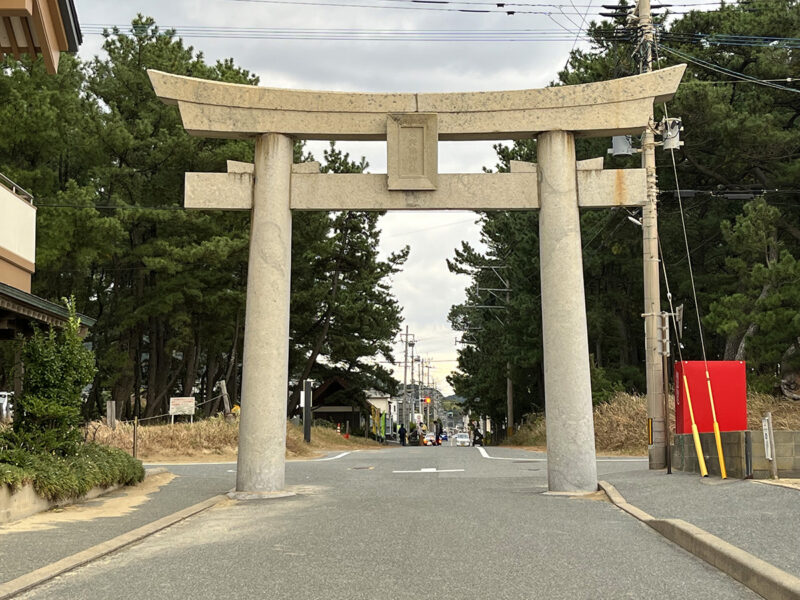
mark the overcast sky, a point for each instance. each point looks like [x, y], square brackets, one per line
[425, 289]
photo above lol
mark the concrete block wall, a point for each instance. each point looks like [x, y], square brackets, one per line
[787, 449]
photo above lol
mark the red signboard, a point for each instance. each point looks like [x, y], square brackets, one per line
[729, 386]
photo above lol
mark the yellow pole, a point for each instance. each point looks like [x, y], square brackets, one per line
[698, 448]
[722, 470]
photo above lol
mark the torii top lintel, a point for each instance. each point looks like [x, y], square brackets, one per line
[616, 107]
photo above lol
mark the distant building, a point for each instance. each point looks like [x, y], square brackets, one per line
[19, 309]
[39, 27]
[34, 28]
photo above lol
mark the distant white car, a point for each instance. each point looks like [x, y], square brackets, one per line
[5, 405]
[462, 439]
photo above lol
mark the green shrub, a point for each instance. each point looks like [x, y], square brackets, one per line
[57, 477]
[44, 446]
[14, 477]
[57, 367]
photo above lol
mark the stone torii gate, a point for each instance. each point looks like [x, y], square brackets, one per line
[412, 124]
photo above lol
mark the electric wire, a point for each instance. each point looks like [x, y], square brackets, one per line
[495, 7]
[349, 33]
[669, 298]
[685, 240]
[496, 11]
[504, 4]
[688, 254]
[730, 72]
[580, 30]
[564, 33]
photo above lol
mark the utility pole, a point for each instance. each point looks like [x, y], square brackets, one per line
[402, 414]
[657, 452]
[509, 384]
[422, 409]
[412, 343]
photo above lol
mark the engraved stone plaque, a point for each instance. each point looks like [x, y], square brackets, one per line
[412, 151]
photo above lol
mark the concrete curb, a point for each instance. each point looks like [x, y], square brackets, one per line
[763, 578]
[25, 502]
[40, 576]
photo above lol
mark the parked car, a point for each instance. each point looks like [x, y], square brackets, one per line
[443, 437]
[462, 439]
[6, 401]
[429, 439]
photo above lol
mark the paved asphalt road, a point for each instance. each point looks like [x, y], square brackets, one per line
[358, 528]
[25, 551]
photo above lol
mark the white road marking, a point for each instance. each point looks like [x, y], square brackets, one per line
[432, 470]
[333, 457]
[486, 455]
[186, 464]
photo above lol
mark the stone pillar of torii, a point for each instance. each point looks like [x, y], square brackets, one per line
[412, 125]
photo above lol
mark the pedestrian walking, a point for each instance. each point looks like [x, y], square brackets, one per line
[402, 433]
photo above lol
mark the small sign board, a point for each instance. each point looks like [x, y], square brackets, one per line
[182, 406]
[767, 445]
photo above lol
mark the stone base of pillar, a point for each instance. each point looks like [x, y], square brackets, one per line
[657, 456]
[259, 495]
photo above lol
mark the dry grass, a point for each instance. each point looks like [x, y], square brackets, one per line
[213, 439]
[621, 424]
[785, 413]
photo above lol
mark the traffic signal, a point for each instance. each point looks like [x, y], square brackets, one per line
[427, 400]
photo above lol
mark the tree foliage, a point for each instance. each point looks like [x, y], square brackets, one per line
[106, 160]
[57, 368]
[740, 162]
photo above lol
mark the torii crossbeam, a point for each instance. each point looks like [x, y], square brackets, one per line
[412, 124]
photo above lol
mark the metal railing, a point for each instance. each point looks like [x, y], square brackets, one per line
[15, 189]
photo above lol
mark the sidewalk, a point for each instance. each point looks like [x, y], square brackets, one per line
[759, 518]
[43, 539]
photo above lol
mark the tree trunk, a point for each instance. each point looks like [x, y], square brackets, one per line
[752, 327]
[732, 342]
[232, 372]
[152, 368]
[211, 378]
[190, 356]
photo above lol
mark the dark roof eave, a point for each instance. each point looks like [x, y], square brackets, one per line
[51, 308]
[71, 26]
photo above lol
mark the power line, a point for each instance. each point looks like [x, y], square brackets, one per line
[564, 33]
[719, 39]
[414, 8]
[327, 34]
[713, 67]
[495, 7]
